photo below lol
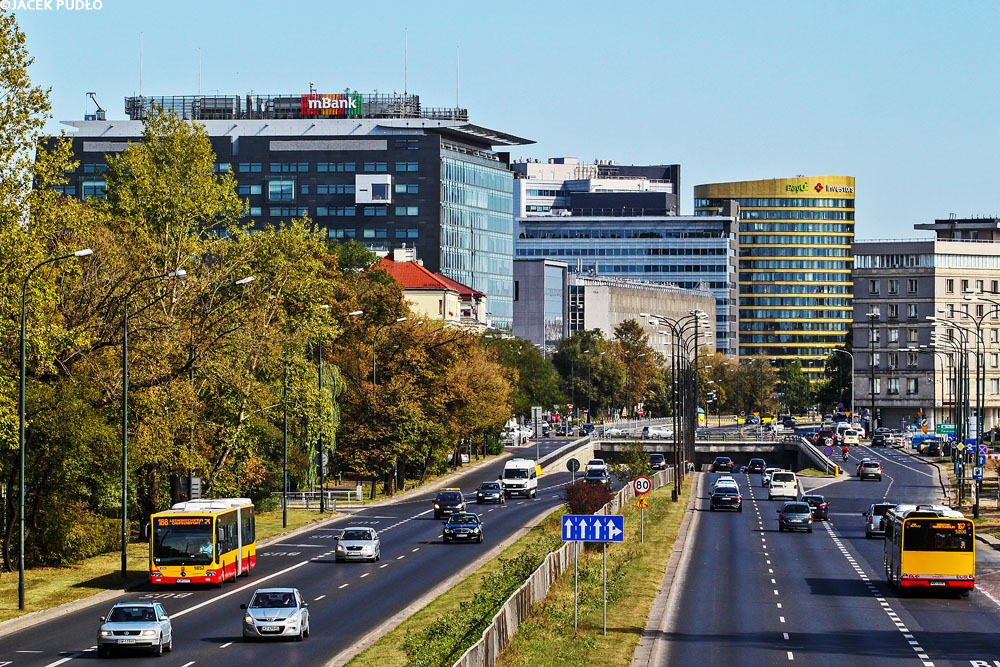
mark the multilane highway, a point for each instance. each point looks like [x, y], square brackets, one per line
[347, 600]
[753, 596]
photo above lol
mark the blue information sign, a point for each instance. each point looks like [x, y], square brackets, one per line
[982, 460]
[593, 528]
[970, 445]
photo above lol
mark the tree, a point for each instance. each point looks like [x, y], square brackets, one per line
[835, 389]
[639, 360]
[589, 361]
[538, 383]
[795, 387]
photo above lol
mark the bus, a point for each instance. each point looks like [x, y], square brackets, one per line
[202, 541]
[929, 546]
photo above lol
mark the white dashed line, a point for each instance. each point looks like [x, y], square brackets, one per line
[319, 598]
[343, 586]
[790, 656]
[401, 557]
[365, 575]
[785, 635]
[226, 644]
[781, 619]
[415, 550]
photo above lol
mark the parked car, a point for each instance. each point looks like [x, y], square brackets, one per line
[135, 626]
[726, 497]
[358, 543]
[722, 464]
[795, 515]
[820, 508]
[657, 462]
[276, 613]
[615, 433]
[874, 516]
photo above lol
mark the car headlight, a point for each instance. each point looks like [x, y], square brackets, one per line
[105, 633]
[340, 548]
[149, 633]
[436, 506]
[248, 619]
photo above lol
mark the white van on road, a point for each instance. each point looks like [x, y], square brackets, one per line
[783, 484]
[520, 477]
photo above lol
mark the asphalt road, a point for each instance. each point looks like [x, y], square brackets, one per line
[754, 596]
[347, 600]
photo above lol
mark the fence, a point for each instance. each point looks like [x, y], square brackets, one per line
[515, 610]
[310, 499]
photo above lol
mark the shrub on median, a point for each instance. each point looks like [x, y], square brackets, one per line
[585, 498]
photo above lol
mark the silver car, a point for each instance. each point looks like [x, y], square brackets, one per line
[135, 626]
[276, 612]
[358, 543]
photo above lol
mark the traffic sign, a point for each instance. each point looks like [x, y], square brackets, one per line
[828, 451]
[982, 460]
[977, 472]
[970, 445]
[642, 503]
[572, 465]
[984, 449]
[590, 528]
[943, 429]
[642, 485]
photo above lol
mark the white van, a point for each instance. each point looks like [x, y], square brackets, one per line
[783, 484]
[520, 477]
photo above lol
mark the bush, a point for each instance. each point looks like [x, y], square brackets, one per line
[585, 498]
[70, 533]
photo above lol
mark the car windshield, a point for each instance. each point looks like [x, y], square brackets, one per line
[597, 474]
[656, 457]
[796, 508]
[595, 462]
[490, 486]
[272, 600]
[450, 496]
[880, 510]
[870, 464]
[812, 500]
[182, 540]
[723, 459]
[782, 477]
[463, 519]
[131, 615]
[515, 473]
[356, 535]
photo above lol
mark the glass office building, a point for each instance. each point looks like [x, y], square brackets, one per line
[795, 289]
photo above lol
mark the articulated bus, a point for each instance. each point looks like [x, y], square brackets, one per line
[929, 546]
[202, 541]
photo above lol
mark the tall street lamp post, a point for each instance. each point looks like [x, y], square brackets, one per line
[851, 356]
[179, 273]
[873, 319]
[21, 412]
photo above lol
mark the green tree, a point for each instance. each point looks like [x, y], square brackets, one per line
[795, 387]
[639, 361]
[538, 383]
[598, 375]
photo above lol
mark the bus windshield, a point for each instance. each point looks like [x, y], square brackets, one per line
[937, 535]
[182, 541]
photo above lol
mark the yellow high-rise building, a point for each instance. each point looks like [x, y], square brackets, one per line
[795, 289]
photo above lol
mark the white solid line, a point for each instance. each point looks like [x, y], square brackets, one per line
[226, 644]
[365, 575]
[343, 586]
[320, 598]
[29, 651]
[254, 584]
[790, 656]
[188, 664]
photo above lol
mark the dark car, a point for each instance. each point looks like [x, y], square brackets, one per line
[657, 462]
[598, 476]
[490, 492]
[726, 497]
[722, 464]
[586, 428]
[562, 429]
[933, 449]
[756, 466]
[825, 438]
[788, 422]
[879, 440]
[463, 526]
[448, 501]
[874, 515]
[820, 508]
[795, 515]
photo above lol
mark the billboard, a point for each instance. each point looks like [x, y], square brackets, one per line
[332, 104]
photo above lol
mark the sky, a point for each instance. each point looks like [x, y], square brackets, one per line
[901, 95]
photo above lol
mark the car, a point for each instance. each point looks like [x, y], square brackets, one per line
[756, 466]
[765, 479]
[883, 430]
[276, 613]
[850, 436]
[615, 433]
[490, 492]
[784, 484]
[788, 422]
[825, 437]
[724, 480]
[726, 497]
[879, 440]
[563, 430]
[598, 476]
[135, 626]
[820, 508]
[874, 525]
[722, 463]
[657, 462]
[933, 449]
[463, 526]
[594, 463]
[656, 433]
[871, 469]
[358, 543]
[448, 501]
[586, 428]
[795, 515]
[546, 429]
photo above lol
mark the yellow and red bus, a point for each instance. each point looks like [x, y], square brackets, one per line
[929, 546]
[202, 541]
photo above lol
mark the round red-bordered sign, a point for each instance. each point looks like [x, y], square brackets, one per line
[642, 485]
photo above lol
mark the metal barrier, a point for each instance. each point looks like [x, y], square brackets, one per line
[498, 634]
[814, 453]
[310, 499]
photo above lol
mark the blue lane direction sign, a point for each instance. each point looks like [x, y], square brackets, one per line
[593, 528]
[982, 460]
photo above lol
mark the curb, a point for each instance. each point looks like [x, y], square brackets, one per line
[646, 652]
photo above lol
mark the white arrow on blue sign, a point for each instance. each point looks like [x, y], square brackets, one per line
[591, 528]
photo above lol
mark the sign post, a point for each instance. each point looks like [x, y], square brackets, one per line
[536, 420]
[590, 528]
[642, 486]
[573, 465]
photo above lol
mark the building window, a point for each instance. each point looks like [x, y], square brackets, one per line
[993, 335]
[980, 310]
[965, 309]
[893, 287]
[993, 286]
[223, 167]
[994, 359]
[912, 359]
[248, 189]
[892, 386]
[406, 210]
[68, 190]
[995, 386]
[965, 286]
[250, 167]
[289, 167]
[893, 335]
[949, 285]
[407, 233]
[97, 168]
[893, 359]
[377, 211]
[93, 189]
[335, 189]
[324, 167]
[304, 189]
[911, 386]
[893, 311]
[951, 334]
[873, 309]
[407, 166]
[280, 190]
[912, 335]
[911, 310]
[878, 385]
[341, 233]
[951, 310]
[873, 336]
[335, 211]
[255, 211]
[873, 287]
[911, 286]
[407, 188]
[979, 286]
[373, 233]
[375, 166]
[289, 211]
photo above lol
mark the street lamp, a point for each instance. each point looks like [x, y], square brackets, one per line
[852, 383]
[873, 318]
[21, 411]
[179, 273]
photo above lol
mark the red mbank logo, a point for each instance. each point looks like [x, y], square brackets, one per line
[819, 187]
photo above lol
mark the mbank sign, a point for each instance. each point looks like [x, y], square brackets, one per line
[337, 104]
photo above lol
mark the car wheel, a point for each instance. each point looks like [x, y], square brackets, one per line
[299, 637]
[478, 501]
[170, 644]
[378, 555]
[711, 508]
[809, 529]
[158, 651]
[781, 528]
[740, 508]
[437, 517]
[868, 535]
[447, 540]
[480, 540]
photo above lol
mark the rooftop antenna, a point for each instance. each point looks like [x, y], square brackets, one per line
[140, 64]
[199, 70]
[406, 49]
[458, 78]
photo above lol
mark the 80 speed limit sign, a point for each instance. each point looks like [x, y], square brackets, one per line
[642, 485]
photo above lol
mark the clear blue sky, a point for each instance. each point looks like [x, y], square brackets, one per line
[901, 95]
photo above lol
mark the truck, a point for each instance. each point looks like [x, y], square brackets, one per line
[520, 477]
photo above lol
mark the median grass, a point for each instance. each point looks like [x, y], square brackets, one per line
[47, 587]
[812, 472]
[634, 574]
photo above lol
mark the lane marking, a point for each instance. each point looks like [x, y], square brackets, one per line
[320, 597]
[226, 644]
[255, 584]
[785, 634]
[415, 550]
[401, 557]
[781, 619]
[343, 586]
[790, 656]
[188, 664]
[365, 575]
[381, 566]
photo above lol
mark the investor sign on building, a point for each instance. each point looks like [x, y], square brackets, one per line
[335, 104]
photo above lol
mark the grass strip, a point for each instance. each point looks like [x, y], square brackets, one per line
[813, 472]
[47, 587]
[634, 574]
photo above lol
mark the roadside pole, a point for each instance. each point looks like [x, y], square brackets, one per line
[605, 544]
[590, 528]
[576, 582]
[642, 486]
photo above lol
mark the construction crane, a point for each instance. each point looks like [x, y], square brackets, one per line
[100, 115]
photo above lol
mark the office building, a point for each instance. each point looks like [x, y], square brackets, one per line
[541, 301]
[898, 285]
[795, 261]
[381, 169]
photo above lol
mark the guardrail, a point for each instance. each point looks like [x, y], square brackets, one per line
[498, 634]
[310, 499]
[814, 453]
[555, 455]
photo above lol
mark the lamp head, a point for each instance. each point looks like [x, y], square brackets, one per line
[179, 273]
[355, 313]
[83, 253]
[245, 281]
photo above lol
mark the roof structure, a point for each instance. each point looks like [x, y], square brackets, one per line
[412, 275]
[464, 291]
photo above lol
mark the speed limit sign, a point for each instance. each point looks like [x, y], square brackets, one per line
[642, 485]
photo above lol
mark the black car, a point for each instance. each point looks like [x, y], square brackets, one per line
[788, 422]
[879, 440]
[586, 429]
[490, 492]
[657, 462]
[756, 466]
[448, 501]
[563, 429]
[598, 476]
[722, 464]
[463, 526]
[726, 497]
[820, 508]
[933, 449]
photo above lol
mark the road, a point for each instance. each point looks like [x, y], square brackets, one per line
[754, 596]
[347, 600]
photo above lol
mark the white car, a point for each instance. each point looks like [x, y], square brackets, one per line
[783, 484]
[594, 463]
[765, 479]
[358, 543]
[615, 433]
[276, 613]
